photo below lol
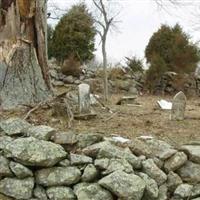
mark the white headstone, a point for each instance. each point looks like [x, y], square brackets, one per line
[84, 98]
[178, 106]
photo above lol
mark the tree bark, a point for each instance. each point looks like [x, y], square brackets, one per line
[23, 56]
[105, 68]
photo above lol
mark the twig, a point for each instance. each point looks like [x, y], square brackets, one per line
[109, 118]
[33, 109]
[103, 105]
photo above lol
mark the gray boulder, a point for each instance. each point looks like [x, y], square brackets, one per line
[183, 191]
[17, 188]
[112, 151]
[162, 194]
[123, 185]
[78, 159]
[193, 151]
[151, 190]
[4, 140]
[4, 167]
[173, 180]
[69, 138]
[60, 193]
[40, 132]
[64, 163]
[14, 126]
[20, 171]
[33, 152]
[190, 172]
[88, 139]
[175, 162]
[118, 164]
[151, 169]
[39, 193]
[92, 192]
[102, 163]
[152, 148]
[90, 173]
[58, 176]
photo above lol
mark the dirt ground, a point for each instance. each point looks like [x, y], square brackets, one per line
[128, 121]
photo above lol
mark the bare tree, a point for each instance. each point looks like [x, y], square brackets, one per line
[104, 22]
[23, 55]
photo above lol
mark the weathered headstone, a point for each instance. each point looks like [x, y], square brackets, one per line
[178, 106]
[84, 98]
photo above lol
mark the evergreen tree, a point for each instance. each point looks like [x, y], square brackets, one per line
[74, 35]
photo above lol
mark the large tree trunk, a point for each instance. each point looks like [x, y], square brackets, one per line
[23, 56]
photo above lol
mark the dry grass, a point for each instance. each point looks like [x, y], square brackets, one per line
[130, 121]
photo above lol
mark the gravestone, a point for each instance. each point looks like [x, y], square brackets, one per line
[84, 98]
[178, 106]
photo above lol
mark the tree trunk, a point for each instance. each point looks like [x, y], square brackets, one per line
[105, 69]
[23, 56]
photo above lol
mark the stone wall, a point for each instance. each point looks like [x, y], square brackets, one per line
[39, 163]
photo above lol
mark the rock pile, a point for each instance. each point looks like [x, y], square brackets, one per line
[39, 163]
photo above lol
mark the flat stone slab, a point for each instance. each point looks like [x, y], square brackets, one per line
[127, 100]
[85, 116]
[33, 152]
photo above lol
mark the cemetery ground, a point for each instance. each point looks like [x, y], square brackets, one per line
[130, 121]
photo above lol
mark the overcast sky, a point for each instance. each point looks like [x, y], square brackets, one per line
[139, 20]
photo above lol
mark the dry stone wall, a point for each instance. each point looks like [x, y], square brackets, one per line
[40, 163]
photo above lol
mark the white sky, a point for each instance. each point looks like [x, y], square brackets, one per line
[139, 20]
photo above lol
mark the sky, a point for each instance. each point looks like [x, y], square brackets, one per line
[138, 20]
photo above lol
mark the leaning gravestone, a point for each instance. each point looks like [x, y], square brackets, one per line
[178, 106]
[84, 98]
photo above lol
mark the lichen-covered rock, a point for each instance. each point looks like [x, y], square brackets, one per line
[77, 159]
[175, 162]
[4, 140]
[102, 163]
[20, 171]
[58, 176]
[183, 191]
[33, 152]
[40, 132]
[64, 163]
[4, 167]
[60, 193]
[152, 148]
[112, 151]
[90, 173]
[190, 172]
[118, 164]
[193, 151]
[14, 126]
[17, 188]
[162, 194]
[123, 185]
[94, 149]
[151, 169]
[151, 190]
[92, 192]
[40, 193]
[173, 180]
[69, 138]
[88, 139]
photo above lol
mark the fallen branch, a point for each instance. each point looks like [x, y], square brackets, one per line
[109, 118]
[33, 109]
[103, 105]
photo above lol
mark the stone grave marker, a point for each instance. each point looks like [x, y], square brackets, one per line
[178, 106]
